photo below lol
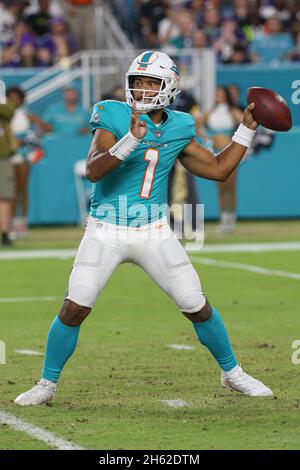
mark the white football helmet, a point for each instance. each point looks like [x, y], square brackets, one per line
[158, 65]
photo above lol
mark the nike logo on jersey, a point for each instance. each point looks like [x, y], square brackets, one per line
[152, 143]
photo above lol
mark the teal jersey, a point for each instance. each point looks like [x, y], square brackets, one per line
[135, 193]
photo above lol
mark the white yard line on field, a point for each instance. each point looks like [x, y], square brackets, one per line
[37, 254]
[176, 403]
[245, 267]
[28, 352]
[243, 247]
[190, 247]
[9, 300]
[181, 347]
[36, 432]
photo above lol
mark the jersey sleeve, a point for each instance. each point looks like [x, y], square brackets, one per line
[102, 117]
[185, 129]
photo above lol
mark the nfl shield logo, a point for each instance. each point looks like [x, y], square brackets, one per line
[157, 134]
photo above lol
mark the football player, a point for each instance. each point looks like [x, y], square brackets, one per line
[134, 147]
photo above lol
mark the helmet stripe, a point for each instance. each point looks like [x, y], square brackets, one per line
[144, 61]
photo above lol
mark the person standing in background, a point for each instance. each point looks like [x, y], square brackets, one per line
[273, 45]
[235, 95]
[7, 182]
[220, 122]
[21, 125]
[182, 184]
[57, 45]
[68, 117]
[39, 21]
[81, 18]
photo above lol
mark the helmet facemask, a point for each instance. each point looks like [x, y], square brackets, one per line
[163, 97]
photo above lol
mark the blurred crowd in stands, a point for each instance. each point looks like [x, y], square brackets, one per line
[39, 33]
[240, 31]
[43, 32]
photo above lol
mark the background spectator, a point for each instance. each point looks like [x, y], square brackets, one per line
[20, 51]
[68, 117]
[21, 125]
[278, 8]
[211, 22]
[221, 122]
[196, 7]
[81, 17]
[240, 10]
[238, 55]
[55, 7]
[126, 11]
[227, 38]
[168, 29]
[57, 44]
[7, 184]
[150, 14]
[186, 28]
[295, 54]
[273, 45]
[235, 96]
[252, 23]
[10, 14]
[182, 185]
[199, 39]
[39, 22]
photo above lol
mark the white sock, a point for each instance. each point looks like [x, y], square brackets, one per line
[232, 217]
[232, 372]
[225, 217]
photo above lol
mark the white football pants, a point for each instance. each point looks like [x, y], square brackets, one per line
[153, 247]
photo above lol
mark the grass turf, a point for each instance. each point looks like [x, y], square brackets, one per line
[110, 393]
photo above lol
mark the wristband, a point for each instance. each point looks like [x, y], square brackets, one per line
[125, 146]
[243, 135]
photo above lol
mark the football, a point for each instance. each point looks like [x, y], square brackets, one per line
[271, 109]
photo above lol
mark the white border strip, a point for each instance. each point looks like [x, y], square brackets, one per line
[176, 403]
[243, 247]
[37, 254]
[9, 300]
[28, 352]
[245, 267]
[37, 433]
[181, 347]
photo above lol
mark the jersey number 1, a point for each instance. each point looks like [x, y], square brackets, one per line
[152, 155]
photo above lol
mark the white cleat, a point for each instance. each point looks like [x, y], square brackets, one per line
[223, 229]
[238, 380]
[43, 392]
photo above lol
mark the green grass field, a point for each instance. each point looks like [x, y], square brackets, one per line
[111, 391]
